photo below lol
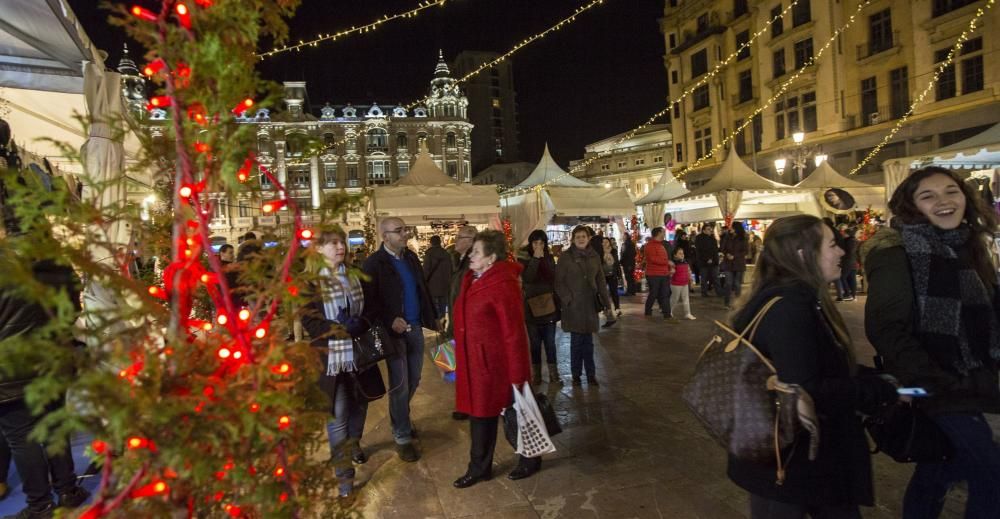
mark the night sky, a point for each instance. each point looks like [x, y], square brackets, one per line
[598, 76]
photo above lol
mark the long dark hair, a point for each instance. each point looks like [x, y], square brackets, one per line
[981, 221]
[739, 231]
[790, 255]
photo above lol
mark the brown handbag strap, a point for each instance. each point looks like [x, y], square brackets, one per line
[755, 322]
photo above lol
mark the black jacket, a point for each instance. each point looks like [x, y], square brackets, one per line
[384, 290]
[18, 316]
[796, 336]
[437, 271]
[628, 255]
[706, 249]
[891, 324]
[537, 278]
[368, 383]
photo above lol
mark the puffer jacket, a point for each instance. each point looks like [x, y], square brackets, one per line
[580, 285]
[891, 324]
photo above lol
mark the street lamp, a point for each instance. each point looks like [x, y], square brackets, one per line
[799, 157]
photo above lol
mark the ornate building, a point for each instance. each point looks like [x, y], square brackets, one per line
[362, 146]
[845, 102]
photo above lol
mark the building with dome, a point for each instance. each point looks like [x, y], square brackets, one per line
[364, 145]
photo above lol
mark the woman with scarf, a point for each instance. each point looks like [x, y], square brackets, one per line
[933, 314]
[807, 341]
[611, 269]
[491, 352]
[583, 293]
[334, 314]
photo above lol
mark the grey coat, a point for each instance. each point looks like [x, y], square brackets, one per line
[580, 285]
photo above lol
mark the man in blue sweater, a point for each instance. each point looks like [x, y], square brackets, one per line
[397, 292]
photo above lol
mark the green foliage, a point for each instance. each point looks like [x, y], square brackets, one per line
[146, 371]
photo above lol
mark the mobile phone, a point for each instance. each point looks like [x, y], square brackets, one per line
[912, 391]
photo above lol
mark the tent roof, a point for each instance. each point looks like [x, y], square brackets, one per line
[549, 173]
[666, 188]
[590, 201]
[988, 140]
[735, 175]
[421, 203]
[825, 176]
[42, 46]
[981, 151]
[425, 172]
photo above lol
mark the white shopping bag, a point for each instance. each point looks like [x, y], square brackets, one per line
[532, 438]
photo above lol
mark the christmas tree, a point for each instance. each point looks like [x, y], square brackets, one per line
[198, 407]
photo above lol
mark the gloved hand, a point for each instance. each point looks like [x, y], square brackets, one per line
[355, 326]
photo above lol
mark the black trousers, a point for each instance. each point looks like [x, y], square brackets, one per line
[484, 443]
[630, 285]
[763, 508]
[16, 422]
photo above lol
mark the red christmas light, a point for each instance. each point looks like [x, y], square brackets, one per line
[204, 3]
[143, 13]
[224, 353]
[254, 407]
[99, 446]
[183, 16]
[136, 442]
[278, 472]
[196, 113]
[244, 314]
[244, 172]
[282, 369]
[159, 102]
[185, 191]
[222, 319]
[154, 67]
[293, 290]
[242, 107]
[283, 497]
[233, 510]
[152, 489]
[238, 355]
[284, 422]
[273, 205]
[157, 292]
[201, 147]
[260, 332]
[305, 234]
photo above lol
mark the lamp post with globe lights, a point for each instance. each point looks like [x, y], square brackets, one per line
[799, 157]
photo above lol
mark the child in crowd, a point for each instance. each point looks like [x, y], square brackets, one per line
[680, 284]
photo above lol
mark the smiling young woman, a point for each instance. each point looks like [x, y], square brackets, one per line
[932, 314]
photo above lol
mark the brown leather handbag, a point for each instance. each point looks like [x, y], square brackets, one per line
[736, 395]
[542, 305]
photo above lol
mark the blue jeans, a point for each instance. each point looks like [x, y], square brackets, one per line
[404, 377]
[345, 429]
[540, 334]
[734, 284]
[976, 461]
[441, 305]
[581, 353]
[849, 282]
[659, 291]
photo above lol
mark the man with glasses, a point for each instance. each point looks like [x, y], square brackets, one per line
[400, 302]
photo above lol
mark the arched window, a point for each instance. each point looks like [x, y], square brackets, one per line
[402, 141]
[450, 140]
[378, 139]
[295, 144]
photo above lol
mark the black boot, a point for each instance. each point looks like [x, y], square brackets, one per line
[526, 467]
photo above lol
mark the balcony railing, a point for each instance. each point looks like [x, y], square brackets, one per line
[691, 38]
[267, 221]
[243, 221]
[880, 116]
[873, 47]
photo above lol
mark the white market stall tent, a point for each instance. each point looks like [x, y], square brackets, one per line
[824, 178]
[550, 192]
[979, 153]
[427, 195]
[652, 205]
[736, 191]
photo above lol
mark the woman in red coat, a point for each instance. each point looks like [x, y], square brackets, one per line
[491, 351]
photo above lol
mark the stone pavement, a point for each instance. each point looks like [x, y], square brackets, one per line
[629, 449]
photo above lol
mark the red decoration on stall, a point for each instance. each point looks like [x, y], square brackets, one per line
[508, 235]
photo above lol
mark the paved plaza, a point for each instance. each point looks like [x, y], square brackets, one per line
[629, 449]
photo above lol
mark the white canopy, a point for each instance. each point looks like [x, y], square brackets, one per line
[548, 173]
[734, 175]
[825, 177]
[42, 46]
[979, 152]
[668, 187]
[553, 192]
[428, 194]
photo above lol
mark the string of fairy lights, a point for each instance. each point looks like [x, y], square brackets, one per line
[778, 94]
[353, 30]
[686, 93]
[955, 51]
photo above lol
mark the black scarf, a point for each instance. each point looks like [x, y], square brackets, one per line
[953, 303]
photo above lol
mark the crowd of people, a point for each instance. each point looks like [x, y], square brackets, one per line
[932, 313]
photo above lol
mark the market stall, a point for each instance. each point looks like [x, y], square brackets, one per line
[555, 201]
[838, 194]
[652, 205]
[432, 203]
[737, 192]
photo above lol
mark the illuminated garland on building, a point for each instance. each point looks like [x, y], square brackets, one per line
[359, 30]
[781, 91]
[927, 90]
[687, 92]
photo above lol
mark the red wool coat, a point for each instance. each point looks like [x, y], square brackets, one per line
[491, 341]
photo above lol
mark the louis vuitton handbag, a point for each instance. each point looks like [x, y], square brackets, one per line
[736, 395]
[373, 346]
